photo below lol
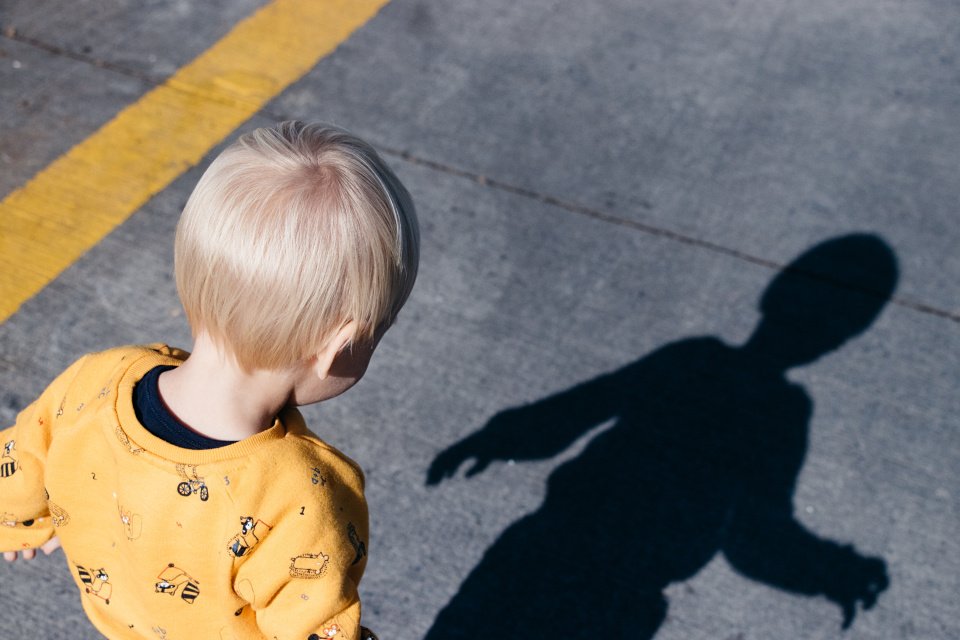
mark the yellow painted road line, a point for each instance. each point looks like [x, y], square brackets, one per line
[79, 198]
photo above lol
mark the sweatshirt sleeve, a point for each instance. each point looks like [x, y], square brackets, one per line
[301, 577]
[25, 521]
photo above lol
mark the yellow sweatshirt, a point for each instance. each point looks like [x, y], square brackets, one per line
[263, 538]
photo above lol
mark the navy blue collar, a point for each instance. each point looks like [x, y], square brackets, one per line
[157, 418]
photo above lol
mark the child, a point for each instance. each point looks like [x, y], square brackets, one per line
[190, 498]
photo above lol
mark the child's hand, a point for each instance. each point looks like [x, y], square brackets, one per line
[48, 547]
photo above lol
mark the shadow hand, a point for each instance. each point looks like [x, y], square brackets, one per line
[446, 464]
[861, 579]
[496, 441]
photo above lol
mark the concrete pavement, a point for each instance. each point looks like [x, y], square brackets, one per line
[595, 181]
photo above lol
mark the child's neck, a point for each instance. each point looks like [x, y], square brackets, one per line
[211, 394]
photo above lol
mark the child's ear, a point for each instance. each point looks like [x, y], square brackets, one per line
[341, 339]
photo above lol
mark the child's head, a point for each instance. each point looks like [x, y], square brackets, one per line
[292, 233]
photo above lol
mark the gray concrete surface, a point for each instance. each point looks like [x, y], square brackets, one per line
[595, 181]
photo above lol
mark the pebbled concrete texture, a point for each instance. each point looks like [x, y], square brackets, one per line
[595, 182]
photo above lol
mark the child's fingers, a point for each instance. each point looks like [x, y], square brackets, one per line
[50, 545]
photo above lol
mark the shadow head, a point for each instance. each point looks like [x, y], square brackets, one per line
[828, 295]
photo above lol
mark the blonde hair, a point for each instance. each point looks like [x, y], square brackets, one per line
[292, 232]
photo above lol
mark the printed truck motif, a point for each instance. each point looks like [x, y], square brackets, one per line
[251, 531]
[173, 579]
[309, 565]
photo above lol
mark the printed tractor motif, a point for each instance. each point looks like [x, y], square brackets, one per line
[192, 483]
[250, 533]
[8, 463]
[171, 581]
[96, 582]
[309, 565]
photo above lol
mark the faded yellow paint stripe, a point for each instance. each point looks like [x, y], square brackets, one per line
[79, 198]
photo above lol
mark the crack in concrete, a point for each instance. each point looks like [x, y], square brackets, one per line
[10, 33]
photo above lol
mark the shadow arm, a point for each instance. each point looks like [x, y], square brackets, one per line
[765, 542]
[536, 431]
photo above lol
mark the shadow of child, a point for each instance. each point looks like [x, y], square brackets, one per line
[703, 457]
